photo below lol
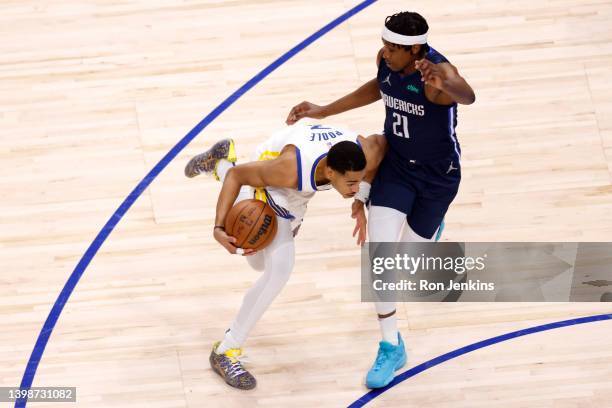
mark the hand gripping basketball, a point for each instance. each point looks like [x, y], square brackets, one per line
[252, 224]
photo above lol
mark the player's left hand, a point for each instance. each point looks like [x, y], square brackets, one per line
[361, 222]
[432, 74]
[229, 243]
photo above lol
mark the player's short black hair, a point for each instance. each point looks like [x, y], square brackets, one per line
[346, 156]
[408, 23]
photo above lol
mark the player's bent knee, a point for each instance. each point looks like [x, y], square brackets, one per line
[257, 261]
[280, 261]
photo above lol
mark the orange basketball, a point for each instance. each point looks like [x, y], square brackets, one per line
[252, 223]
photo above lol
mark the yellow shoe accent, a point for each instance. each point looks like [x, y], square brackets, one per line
[215, 175]
[233, 354]
[231, 156]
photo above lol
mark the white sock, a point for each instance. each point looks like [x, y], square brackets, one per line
[228, 343]
[388, 328]
[222, 167]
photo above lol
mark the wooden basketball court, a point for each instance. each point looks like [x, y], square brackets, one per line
[94, 94]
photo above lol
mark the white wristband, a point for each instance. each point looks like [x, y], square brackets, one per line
[364, 192]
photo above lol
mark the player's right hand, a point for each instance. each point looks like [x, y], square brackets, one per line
[229, 242]
[361, 222]
[305, 110]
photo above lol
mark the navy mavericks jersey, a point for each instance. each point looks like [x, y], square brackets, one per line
[415, 128]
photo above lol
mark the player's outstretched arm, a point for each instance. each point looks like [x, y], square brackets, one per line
[364, 95]
[280, 172]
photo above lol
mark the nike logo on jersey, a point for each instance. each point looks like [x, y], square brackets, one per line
[318, 127]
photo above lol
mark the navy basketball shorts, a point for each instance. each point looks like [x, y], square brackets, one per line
[422, 191]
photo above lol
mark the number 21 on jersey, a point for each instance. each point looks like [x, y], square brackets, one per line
[400, 125]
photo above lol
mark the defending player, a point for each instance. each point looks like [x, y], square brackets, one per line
[288, 169]
[420, 173]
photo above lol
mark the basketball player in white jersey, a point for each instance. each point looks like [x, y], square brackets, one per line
[288, 169]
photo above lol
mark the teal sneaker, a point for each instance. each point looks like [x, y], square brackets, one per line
[440, 230]
[389, 359]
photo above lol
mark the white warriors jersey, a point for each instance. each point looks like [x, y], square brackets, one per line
[312, 143]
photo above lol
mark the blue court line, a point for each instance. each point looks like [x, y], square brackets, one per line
[472, 347]
[58, 306]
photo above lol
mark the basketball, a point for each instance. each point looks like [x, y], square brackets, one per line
[252, 223]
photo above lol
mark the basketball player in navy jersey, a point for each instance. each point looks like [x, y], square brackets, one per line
[420, 173]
